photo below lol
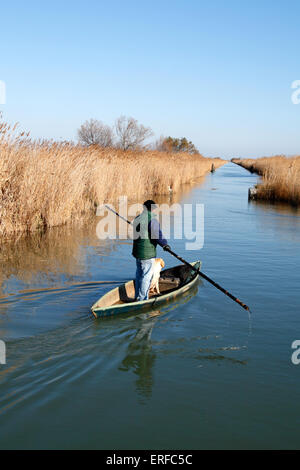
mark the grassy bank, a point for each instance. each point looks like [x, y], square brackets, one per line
[46, 184]
[280, 177]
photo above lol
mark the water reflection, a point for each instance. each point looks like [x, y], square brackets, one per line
[59, 257]
[58, 251]
[282, 219]
[276, 208]
[140, 356]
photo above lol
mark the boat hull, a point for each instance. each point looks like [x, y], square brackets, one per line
[126, 292]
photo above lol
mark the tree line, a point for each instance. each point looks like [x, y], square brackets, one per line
[128, 134]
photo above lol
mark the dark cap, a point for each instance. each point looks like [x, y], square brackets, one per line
[150, 205]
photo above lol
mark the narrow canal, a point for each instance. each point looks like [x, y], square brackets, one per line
[200, 374]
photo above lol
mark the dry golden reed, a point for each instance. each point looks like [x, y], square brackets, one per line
[46, 184]
[280, 177]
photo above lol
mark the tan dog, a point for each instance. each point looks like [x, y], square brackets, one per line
[157, 267]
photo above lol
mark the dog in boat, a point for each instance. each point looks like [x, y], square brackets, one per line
[157, 267]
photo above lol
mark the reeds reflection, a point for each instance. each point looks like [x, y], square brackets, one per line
[47, 255]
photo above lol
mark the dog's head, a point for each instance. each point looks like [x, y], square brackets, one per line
[161, 262]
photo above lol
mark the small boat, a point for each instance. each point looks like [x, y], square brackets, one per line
[173, 282]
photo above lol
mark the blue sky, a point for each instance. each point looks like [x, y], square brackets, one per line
[217, 72]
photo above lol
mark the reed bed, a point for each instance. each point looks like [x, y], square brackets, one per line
[280, 177]
[46, 184]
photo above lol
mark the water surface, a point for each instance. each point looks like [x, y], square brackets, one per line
[200, 374]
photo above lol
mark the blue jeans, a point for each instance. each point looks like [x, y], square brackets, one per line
[144, 273]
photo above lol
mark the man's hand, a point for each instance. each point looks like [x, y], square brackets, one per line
[166, 248]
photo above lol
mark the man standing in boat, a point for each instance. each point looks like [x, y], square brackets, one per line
[147, 235]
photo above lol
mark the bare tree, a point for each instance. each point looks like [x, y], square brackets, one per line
[94, 132]
[131, 135]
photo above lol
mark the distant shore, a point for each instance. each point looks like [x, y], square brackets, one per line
[280, 177]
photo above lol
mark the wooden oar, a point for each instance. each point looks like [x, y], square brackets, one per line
[215, 284]
[123, 218]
